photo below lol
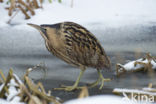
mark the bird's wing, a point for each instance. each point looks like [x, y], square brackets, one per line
[81, 45]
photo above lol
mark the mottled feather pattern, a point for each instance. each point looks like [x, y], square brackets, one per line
[74, 44]
[81, 44]
[81, 36]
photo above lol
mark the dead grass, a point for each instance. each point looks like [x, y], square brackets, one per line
[30, 92]
[24, 7]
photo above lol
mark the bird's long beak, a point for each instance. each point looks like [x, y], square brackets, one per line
[40, 29]
[35, 26]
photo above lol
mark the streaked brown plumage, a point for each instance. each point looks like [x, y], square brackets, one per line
[75, 45]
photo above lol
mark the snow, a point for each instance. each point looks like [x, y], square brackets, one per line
[12, 90]
[104, 12]
[133, 90]
[1, 86]
[2, 101]
[104, 99]
[136, 95]
[149, 89]
[131, 65]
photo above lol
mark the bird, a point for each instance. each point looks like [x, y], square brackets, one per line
[78, 47]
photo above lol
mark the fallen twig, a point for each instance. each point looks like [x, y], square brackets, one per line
[84, 93]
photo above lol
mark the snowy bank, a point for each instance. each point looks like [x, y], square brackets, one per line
[147, 63]
[104, 99]
[112, 13]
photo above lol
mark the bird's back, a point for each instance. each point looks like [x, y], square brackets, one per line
[78, 46]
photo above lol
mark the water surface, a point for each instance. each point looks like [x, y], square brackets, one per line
[22, 49]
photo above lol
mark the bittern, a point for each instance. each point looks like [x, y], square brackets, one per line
[77, 46]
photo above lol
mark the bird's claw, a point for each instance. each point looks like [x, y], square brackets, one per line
[102, 80]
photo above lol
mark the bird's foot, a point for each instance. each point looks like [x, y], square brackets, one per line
[68, 88]
[100, 80]
[93, 84]
[103, 80]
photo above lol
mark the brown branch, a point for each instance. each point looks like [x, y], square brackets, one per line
[28, 1]
[24, 92]
[40, 85]
[41, 1]
[29, 8]
[31, 4]
[2, 93]
[1, 0]
[84, 93]
[12, 6]
[35, 4]
[2, 75]
[34, 89]
[24, 12]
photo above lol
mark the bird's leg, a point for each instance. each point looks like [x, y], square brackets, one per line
[75, 86]
[100, 79]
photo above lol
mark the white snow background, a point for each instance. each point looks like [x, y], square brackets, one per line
[106, 12]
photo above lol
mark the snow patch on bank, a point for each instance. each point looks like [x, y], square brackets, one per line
[112, 13]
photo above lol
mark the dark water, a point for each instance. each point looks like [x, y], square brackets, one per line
[22, 49]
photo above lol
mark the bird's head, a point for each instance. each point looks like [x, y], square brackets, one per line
[46, 30]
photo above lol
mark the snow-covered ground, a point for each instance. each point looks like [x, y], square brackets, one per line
[131, 66]
[106, 99]
[104, 12]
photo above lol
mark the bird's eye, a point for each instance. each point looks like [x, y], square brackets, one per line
[43, 30]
